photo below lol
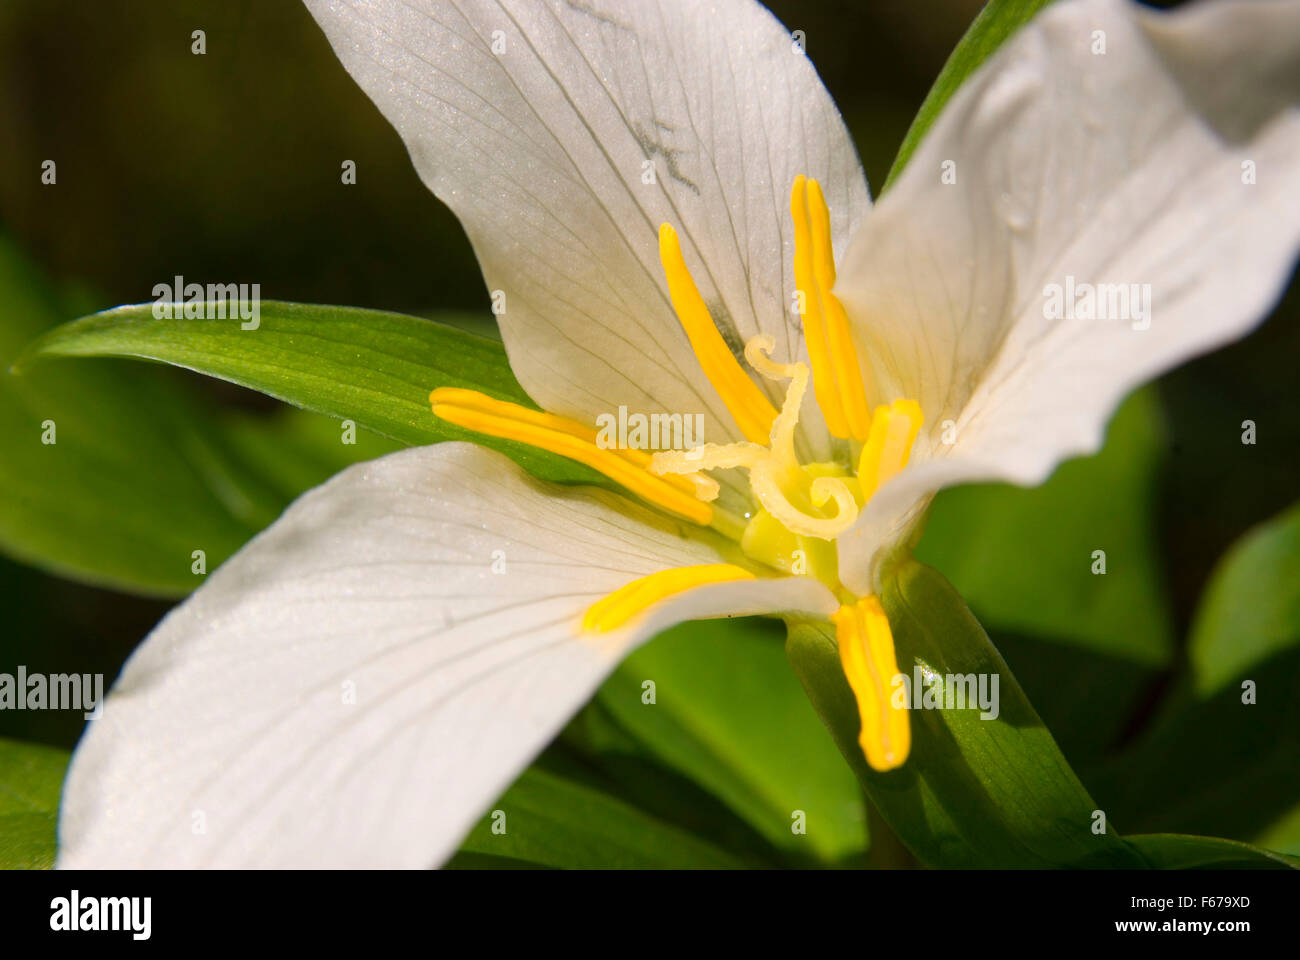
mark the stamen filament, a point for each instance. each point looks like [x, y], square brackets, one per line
[867, 654]
[752, 411]
[629, 600]
[630, 468]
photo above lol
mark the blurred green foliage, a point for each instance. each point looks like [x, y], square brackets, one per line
[30, 777]
[1042, 579]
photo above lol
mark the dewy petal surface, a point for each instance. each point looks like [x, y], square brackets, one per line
[356, 685]
[541, 149]
[1123, 167]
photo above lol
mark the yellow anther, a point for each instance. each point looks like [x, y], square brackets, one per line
[867, 654]
[627, 601]
[889, 443]
[837, 378]
[751, 410]
[805, 282]
[839, 338]
[482, 414]
[472, 399]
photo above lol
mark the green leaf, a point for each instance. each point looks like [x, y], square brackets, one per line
[31, 778]
[372, 367]
[1024, 558]
[729, 715]
[1250, 611]
[997, 21]
[1176, 851]
[1284, 834]
[974, 792]
[142, 472]
[133, 481]
[551, 821]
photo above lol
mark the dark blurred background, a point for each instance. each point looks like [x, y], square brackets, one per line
[227, 165]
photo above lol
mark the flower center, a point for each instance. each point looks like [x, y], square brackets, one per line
[801, 508]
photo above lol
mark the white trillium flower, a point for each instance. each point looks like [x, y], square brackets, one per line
[675, 214]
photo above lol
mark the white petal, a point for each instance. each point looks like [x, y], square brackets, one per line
[540, 150]
[230, 739]
[1117, 168]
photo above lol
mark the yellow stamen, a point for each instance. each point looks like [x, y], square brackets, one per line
[805, 282]
[889, 444]
[751, 410]
[837, 378]
[867, 655]
[482, 414]
[839, 339]
[472, 399]
[629, 600]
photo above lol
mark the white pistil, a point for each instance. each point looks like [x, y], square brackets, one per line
[775, 466]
